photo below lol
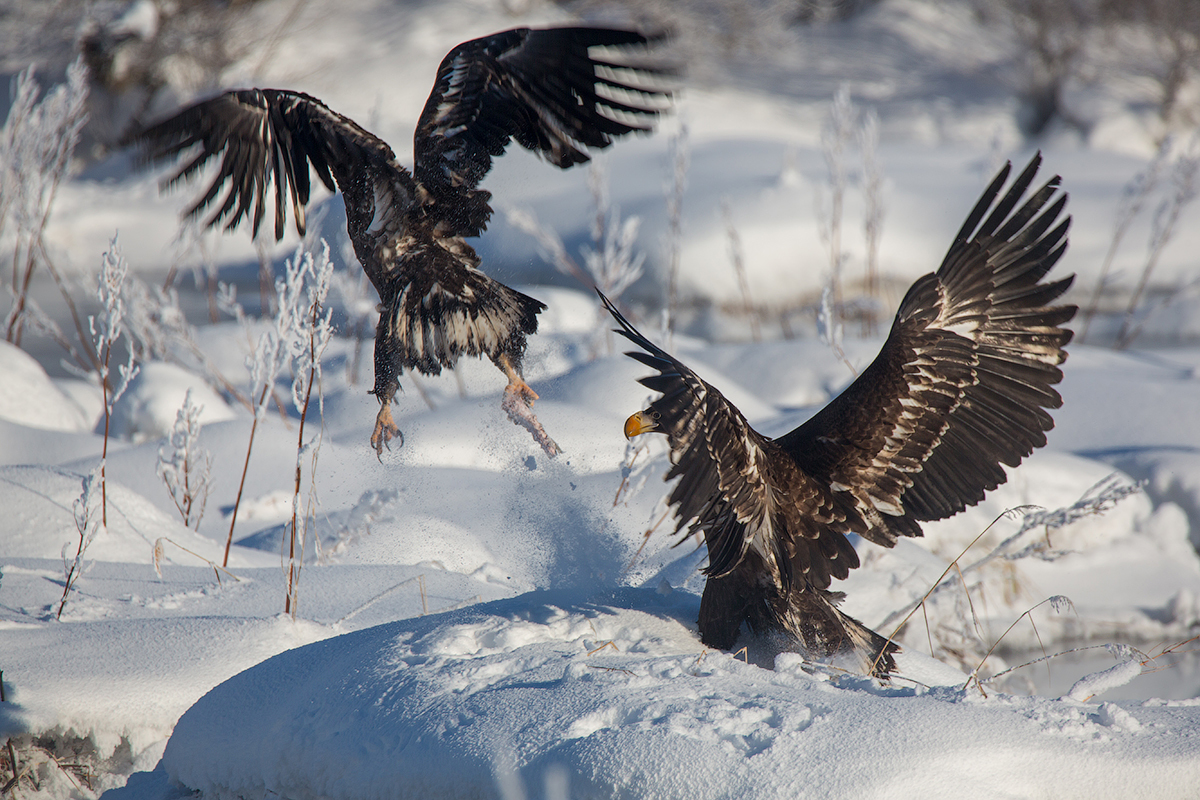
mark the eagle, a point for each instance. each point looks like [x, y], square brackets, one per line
[961, 387]
[558, 92]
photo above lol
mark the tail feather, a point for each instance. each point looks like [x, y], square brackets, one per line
[873, 650]
[428, 325]
[806, 615]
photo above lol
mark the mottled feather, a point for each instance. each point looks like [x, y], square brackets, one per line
[960, 388]
[558, 92]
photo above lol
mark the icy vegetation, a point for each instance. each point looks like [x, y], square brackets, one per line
[210, 583]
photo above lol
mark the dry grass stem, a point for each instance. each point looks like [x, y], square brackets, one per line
[739, 270]
[158, 557]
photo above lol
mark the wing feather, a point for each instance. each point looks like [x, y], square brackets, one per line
[966, 376]
[539, 87]
[264, 137]
[735, 486]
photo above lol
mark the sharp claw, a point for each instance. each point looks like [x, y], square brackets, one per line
[385, 431]
[523, 390]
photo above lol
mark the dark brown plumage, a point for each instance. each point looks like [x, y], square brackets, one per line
[543, 88]
[960, 387]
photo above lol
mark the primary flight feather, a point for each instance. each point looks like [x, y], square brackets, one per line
[961, 387]
[547, 89]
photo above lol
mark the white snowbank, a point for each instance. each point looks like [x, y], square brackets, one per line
[150, 403]
[29, 397]
[616, 699]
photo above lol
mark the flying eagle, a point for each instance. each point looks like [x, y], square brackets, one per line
[544, 88]
[960, 387]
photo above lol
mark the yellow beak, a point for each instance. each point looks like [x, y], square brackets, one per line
[639, 423]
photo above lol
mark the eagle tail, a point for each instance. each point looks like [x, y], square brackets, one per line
[426, 328]
[806, 616]
[811, 616]
[874, 650]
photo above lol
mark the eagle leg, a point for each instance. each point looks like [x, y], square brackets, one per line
[385, 426]
[518, 404]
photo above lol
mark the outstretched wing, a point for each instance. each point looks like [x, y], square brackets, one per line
[542, 88]
[965, 377]
[267, 136]
[735, 484]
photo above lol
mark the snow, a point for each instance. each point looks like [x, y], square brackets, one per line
[147, 409]
[29, 398]
[476, 619]
[617, 700]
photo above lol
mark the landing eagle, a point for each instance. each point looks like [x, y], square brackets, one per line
[960, 387]
[546, 89]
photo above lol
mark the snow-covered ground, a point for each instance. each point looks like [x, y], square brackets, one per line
[474, 619]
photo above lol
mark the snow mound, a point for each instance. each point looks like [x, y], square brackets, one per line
[29, 397]
[39, 521]
[149, 405]
[618, 699]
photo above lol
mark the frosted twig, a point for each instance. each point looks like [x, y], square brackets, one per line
[632, 451]
[550, 243]
[953, 565]
[739, 269]
[1183, 181]
[159, 555]
[287, 338]
[88, 526]
[314, 276]
[1058, 602]
[836, 133]
[610, 259]
[829, 328]
[609, 263]
[36, 145]
[1098, 499]
[680, 157]
[184, 467]
[105, 332]
[1133, 198]
[872, 187]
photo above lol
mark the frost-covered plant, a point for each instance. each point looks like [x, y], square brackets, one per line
[155, 321]
[36, 144]
[836, 135]
[737, 257]
[872, 189]
[609, 263]
[1184, 190]
[159, 330]
[185, 467]
[1129, 206]
[264, 366]
[106, 330]
[551, 244]
[159, 555]
[949, 632]
[88, 524]
[845, 126]
[829, 328]
[295, 339]
[680, 156]
[312, 331]
[1058, 603]
[633, 477]
[611, 260]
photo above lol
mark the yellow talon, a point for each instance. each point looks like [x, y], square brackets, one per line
[638, 423]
